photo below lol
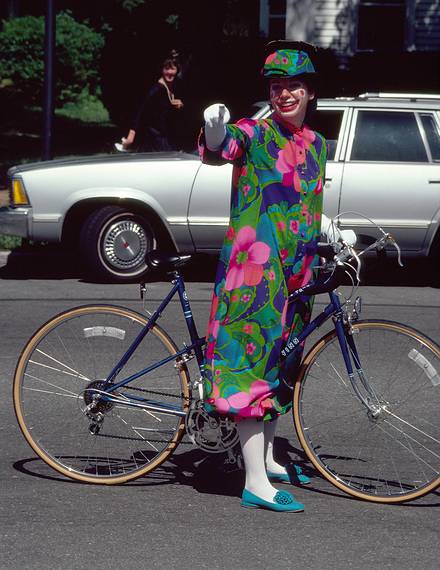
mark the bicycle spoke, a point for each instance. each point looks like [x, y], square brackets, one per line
[427, 449]
[392, 451]
[414, 427]
[75, 372]
[410, 450]
[53, 393]
[65, 412]
[53, 385]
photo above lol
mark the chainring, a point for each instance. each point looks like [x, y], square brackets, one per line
[210, 431]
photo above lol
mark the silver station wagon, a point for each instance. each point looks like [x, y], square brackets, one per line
[384, 163]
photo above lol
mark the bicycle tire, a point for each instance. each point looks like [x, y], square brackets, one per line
[52, 386]
[395, 456]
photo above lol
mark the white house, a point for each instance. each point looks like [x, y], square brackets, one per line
[353, 26]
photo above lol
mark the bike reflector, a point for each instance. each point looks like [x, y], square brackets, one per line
[425, 365]
[104, 331]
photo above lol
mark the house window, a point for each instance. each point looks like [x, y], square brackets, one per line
[273, 19]
[381, 25]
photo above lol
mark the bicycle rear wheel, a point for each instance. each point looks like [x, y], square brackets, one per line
[63, 365]
[392, 455]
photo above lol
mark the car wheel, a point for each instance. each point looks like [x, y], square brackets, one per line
[114, 242]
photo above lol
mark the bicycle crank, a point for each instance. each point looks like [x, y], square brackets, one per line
[210, 431]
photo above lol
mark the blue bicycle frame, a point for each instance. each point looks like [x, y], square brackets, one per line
[196, 345]
[289, 352]
[293, 347]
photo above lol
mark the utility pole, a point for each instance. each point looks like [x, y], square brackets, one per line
[48, 102]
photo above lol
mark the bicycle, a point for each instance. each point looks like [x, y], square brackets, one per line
[365, 401]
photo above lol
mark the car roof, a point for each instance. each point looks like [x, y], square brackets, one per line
[387, 100]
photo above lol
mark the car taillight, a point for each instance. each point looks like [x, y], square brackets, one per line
[18, 196]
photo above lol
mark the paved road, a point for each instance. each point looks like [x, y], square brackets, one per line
[187, 514]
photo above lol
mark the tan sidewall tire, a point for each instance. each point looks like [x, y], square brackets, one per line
[120, 311]
[308, 360]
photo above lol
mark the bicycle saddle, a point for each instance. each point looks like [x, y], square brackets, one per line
[166, 261]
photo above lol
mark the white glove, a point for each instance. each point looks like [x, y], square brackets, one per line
[333, 233]
[216, 116]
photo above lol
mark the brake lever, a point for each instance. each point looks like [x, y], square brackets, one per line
[396, 245]
[388, 238]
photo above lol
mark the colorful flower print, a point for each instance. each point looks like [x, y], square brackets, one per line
[247, 259]
[294, 226]
[230, 234]
[303, 276]
[276, 205]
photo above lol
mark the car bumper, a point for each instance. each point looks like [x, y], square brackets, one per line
[14, 222]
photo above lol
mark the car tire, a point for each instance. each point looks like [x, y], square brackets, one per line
[114, 242]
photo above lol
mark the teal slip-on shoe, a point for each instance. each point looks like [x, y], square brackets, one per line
[293, 476]
[283, 502]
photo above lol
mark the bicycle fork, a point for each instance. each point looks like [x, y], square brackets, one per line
[345, 333]
[355, 370]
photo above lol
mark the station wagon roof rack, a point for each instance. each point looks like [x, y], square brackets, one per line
[407, 96]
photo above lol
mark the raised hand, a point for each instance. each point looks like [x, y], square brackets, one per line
[216, 116]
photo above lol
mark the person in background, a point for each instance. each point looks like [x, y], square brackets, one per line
[155, 125]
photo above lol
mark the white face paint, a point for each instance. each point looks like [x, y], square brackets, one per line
[289, 98]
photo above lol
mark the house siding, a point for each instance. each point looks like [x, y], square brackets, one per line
[333, 24]
[427, 25]
[327, 23]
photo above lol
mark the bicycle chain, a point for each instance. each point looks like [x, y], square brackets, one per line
[126, 438]
[187, 398]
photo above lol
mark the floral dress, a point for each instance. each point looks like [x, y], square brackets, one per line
[269, 251]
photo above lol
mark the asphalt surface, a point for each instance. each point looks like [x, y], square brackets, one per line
[187, 514]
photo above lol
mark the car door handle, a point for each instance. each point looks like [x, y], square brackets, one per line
[433, 181]
[327, 179]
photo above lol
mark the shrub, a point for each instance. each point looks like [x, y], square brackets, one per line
[77, 55]
[87, 108]
[9, 242]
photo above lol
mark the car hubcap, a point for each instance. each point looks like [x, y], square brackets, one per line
[125, 245]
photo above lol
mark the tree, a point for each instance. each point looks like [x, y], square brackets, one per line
[78, 51]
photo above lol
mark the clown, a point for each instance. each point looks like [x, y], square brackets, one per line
[269, 250]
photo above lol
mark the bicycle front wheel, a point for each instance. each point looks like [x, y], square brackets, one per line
[65, 363]
[389, 453]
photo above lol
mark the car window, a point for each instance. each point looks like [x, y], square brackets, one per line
[328, 123]
[432, 134]
[388, 136]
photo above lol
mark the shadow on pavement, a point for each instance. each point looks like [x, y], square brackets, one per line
[206, 472]
[414, 273]
[53, 262]
[213, 474]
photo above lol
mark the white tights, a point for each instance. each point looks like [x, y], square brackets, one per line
[256, 439]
